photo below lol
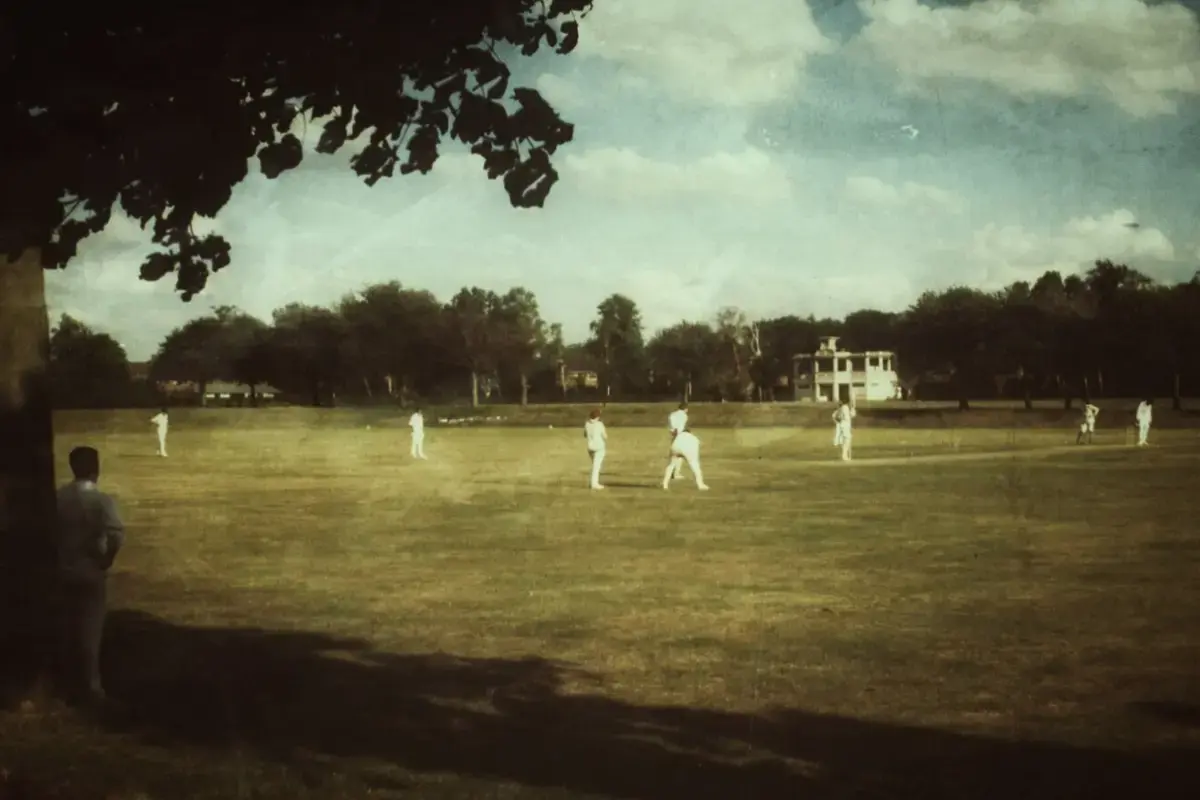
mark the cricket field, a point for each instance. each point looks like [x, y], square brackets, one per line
[302, 611]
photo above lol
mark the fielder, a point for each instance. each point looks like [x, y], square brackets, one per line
[1145, 415]
[417, 423]
[684, 447]
[842, 433]
[597, 438]
[1087, 427]
[677, 422]
[161, 421]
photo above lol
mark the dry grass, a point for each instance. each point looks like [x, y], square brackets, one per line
[306, 613]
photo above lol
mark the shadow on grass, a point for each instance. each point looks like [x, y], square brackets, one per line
[293, 697]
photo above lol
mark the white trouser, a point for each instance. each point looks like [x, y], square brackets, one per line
[1143, 432]
[678, 469]
[678, 457]
[162, 442]
[841, 432]
[418, 445]
[84, 601]
[597, 457]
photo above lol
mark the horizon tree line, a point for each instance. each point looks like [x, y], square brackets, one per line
[1111, 331]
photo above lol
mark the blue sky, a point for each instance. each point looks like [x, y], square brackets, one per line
[753, 154]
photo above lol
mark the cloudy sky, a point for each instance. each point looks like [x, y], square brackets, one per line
[779, 155]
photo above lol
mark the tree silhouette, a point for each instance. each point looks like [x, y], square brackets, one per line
[158, 108]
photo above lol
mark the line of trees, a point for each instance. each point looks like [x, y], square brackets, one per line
[1111, 331]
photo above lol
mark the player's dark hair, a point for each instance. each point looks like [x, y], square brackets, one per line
[595, 414]
[85, 463]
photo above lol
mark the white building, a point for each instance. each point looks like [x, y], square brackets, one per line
[832, 375]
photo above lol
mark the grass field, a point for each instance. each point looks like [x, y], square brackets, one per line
[303, 612]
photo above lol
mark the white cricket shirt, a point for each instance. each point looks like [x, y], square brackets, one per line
[596, 434]
[678, 420]
[417, 423]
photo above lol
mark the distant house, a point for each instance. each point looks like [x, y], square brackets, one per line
[580, 379]
[238, 394]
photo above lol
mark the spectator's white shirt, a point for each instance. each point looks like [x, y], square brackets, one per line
[1145, 412]
[417, 423]
[596, 434]
[88, 531]
[678, 420]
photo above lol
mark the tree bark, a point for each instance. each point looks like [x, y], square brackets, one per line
[27, 481]
[524, 389]
[1176, 394]
[474, 389]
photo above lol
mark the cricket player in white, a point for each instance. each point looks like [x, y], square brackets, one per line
[161, 421]
[1145, 415]
[684, 447]
[597, 438]
[1087, 426]
[677, 423]
[842, 432]
[417, 423]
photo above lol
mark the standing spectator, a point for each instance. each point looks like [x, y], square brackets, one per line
[89, 535]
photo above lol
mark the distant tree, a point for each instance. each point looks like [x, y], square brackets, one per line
[617, 342]
[474, 327]
[732, 359]
[191, 353]
[87, 369]
[309, 343]
[521, 335]
[393, 338]
[554, 356]
[869, 329]
[782, 338]
[952, 329]
[687, 355]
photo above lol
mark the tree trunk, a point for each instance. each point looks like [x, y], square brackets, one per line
[390, 381]
[27, 485]
[1065, 386]
[253, 396]
[367, 386]
[1087, 391]
[1027, 393]
[316, 394]
[687, 391]
[961, 387]
[203, 394]
[474, 389]
[524, 389]
[1176, 395]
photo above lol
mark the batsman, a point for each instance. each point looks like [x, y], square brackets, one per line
[842, 428]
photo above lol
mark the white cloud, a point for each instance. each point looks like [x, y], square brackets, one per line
[561, 93]
[1140, 56]
[713, 51]
[1012, 253]
[914, 196]
[623, 174]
